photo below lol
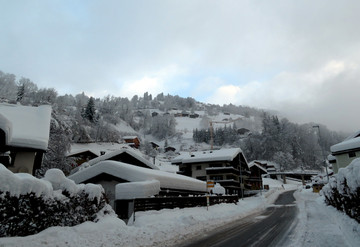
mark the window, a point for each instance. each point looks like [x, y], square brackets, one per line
[202, 178]
[352, 154]
[217, 177]
[198, 167]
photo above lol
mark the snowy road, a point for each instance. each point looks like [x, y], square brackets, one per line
[269, 228]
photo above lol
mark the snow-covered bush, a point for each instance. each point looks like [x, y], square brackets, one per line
[343, 190]
[29, 205]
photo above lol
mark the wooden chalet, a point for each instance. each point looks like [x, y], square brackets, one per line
[228, 167]
[133, 141]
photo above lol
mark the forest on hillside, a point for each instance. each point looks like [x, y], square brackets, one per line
[81, 118]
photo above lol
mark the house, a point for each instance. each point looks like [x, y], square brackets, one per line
[154, 145]
[111, 173]
[132, 141]
[170, 149]
[346, 151]
[82, 156]
[242, 131]
[125, 155]
[222, 166]
[24, 136]
[194, 115]
[255, 178]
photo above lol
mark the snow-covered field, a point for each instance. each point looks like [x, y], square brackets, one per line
[318, 224]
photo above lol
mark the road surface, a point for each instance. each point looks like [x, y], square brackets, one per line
[269, 228]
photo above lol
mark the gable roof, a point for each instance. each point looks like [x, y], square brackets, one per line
[251, 164]
[207, 156]
[25, 126]
[350, 143]
[125, 149]
[137, 174]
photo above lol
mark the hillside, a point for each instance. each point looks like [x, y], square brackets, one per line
[170, 121]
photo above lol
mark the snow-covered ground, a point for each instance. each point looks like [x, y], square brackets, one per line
[318, 224]
[322, 225]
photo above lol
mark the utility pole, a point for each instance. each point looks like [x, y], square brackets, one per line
[241, 180]
[322, 152]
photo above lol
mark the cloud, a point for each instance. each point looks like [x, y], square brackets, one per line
[327, 95]
[154, 83]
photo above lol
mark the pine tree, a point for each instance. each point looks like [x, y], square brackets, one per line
[20, 92]
[90, 110]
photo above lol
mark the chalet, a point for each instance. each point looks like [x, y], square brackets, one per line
[228, 167]
[194, 115]
[346, 151]
[255, 178]
[154, 145]
[82, 156]
[132, 141]
[242, 131]
[24, 136]
[125, 155]
[110, 174]
[170, 149]
[185, 114]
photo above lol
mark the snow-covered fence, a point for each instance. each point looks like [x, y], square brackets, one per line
[343, 190]
[125, 208]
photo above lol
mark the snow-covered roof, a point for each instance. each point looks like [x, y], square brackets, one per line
[81, 151]
[95, 148]
[352, 142]
[137, 189]
[206, 156]
[252, 163]
[26, 126]
[129, 137]
[125, 149]
[138, 174]
[331, 157]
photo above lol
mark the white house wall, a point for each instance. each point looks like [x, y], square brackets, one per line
[24, 162]
[343, 160]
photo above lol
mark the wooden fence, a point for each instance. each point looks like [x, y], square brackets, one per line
[125, 208]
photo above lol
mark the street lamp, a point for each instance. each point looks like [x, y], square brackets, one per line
[322, 152]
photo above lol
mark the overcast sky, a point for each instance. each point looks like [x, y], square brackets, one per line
[300, 58]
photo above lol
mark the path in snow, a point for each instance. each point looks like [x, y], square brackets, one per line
[322, 225]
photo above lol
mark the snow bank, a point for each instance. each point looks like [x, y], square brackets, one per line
[167, 227]
[350, 174]
[23, 183]
[137, 189]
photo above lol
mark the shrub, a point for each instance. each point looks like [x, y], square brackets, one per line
[343, 190]
[29, 205]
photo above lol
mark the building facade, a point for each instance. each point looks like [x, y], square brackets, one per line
[228, 167]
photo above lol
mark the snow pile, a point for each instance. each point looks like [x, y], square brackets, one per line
[29, 205]
[218, 189]
[22, 184]
[137, 189]
[343, 190]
